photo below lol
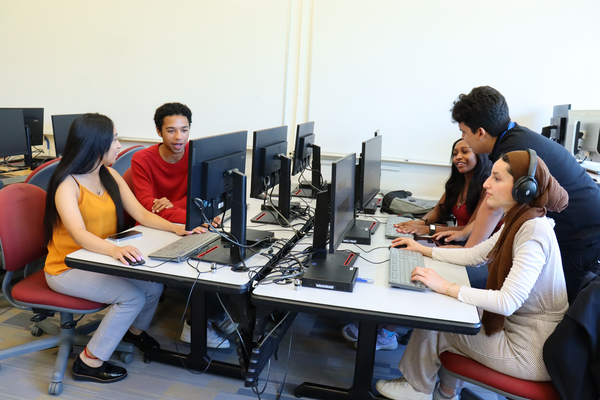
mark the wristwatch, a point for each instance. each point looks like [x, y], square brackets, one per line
[432, 229]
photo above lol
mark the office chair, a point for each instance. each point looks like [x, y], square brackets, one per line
[40, 176]
[471, 371]
[127, 219]
[123, 161]
[22, 240]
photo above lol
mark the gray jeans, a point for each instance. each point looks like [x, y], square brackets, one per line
[133, 304]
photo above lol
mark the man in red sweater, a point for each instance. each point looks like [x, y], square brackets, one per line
[159, 172]
[159, 175]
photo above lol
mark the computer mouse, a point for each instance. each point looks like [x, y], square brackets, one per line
[135, 262]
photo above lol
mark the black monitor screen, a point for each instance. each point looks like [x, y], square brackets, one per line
[268, 145]
[370, 169]
[209, 160]
[342, 200]
[60, 126]
[13, 138]
[560, 115]
[33, 119]
[302, 152]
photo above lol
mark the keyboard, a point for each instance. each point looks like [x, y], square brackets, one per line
[182, 249]
[390, 229]
[591, 166]
[402, 262]
[14, 179]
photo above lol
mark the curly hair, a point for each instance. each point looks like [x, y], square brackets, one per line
[168, 109]
[484, 107]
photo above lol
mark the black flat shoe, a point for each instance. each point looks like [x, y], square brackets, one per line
[104, 374]
[143, 341]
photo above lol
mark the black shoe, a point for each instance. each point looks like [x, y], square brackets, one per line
[143, 341]
[105, 373]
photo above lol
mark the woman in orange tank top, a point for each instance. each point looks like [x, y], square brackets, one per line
[84, 205]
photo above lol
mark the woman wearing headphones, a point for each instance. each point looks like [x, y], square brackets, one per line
[526, 294]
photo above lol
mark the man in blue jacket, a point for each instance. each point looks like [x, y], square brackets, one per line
[484, 120]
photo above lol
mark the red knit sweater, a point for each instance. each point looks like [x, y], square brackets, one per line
[154, 178]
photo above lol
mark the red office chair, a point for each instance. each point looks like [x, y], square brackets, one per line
[22, 240]
[123, 161]
[129, 221]
[471, 371]
[40, 176]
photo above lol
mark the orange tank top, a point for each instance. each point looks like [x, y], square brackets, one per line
[100, 218]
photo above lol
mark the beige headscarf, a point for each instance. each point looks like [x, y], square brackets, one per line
[550, 197]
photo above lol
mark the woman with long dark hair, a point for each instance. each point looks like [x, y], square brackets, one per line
[525, 297]
[463, 192]
[84, 205]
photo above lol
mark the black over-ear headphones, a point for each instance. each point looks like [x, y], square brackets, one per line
[525, 188]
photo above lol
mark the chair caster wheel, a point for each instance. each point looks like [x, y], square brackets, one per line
[147, 361]
[36, 331]
[127, 358]
[55, 388]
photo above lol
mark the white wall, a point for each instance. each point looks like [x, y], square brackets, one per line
[353, 66]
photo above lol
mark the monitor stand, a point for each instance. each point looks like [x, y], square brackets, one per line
[331, 271]
[361, 232]
[372, 206]
[284, 205]
[310, 189]
[231, 253]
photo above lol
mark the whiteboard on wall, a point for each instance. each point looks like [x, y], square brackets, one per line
[398, 66]
[224, 59]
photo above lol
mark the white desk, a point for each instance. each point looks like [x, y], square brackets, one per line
[224, 281]
[372, 304]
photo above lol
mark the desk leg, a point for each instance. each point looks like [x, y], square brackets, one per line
[198, 358]
[363, 371]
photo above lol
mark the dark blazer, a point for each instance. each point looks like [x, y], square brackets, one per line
[572, 352]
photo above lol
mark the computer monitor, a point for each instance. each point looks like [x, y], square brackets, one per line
[342, 200]
[60, 127]
[270, 167]
[305, 148]
[334, 269]
[216, 183]
[13, 136]
[558, 124]
[369, 176]
[583, 133]
[34, 123]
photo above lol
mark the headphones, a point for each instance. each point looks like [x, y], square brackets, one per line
[525, 188]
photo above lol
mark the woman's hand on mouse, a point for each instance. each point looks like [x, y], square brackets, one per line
[412, 245]
[118, 253]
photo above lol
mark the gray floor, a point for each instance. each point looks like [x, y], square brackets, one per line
[318, 354]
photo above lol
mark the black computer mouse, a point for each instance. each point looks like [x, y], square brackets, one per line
[134, 262]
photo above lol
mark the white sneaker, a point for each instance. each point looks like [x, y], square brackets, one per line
[438, 396]
[399, 389]
[225, 324]
[350, 332]
[213, 339]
